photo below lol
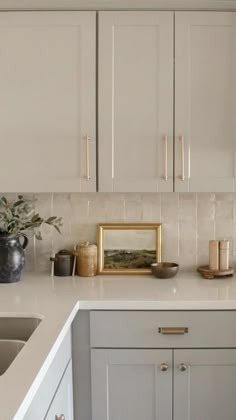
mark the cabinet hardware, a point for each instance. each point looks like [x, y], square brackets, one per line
[182, 158]
[165, 157]
[163, 367]
[183, 367]
[61, 417]
[173, 330]
[88, 140]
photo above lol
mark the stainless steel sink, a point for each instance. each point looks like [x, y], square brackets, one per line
[9, 349]
[18, 328]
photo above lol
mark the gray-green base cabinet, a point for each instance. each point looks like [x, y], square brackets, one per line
[172, 382]
[129, 385]
[54, 397]
[61, 407]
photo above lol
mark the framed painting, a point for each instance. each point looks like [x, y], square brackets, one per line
[128, 248]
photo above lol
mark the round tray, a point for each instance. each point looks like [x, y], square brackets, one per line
[209, 274]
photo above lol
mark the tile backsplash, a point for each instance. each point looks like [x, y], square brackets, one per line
[188, 220]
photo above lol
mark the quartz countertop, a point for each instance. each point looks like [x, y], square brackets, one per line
[57, 300]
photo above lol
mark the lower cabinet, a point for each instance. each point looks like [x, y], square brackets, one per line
[61, 407]
[175, 381]
[129, 384]
[54, 397]
[204, 384]
[138, 384]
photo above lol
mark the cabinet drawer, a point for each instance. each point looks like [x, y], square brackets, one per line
[142, 329]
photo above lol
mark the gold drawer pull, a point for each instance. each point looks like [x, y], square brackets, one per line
[182, 159]
[166, 158]
[88, 140]
[173, 330]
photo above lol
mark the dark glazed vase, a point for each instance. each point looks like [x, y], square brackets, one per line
[12, 257]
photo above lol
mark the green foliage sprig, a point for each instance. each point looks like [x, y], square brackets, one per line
[18, 216]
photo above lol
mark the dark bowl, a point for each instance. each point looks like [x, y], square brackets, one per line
[164, 270]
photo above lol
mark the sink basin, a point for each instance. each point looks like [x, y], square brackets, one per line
[9, 349]
[18, 328]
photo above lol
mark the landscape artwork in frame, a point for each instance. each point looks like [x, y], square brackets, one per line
[128, 248]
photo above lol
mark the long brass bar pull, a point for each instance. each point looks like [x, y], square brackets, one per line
[182, 158]
[88, 140]
[165, 157]
[173, 330]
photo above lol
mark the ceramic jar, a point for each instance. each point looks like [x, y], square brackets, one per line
[63, 263]
[12, 257]
[86, 259]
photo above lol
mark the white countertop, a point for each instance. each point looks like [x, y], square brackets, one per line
[57, 300]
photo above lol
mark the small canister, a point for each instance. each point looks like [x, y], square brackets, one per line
[63, 263]
[214, 255]
[224, 255]
[86, 259]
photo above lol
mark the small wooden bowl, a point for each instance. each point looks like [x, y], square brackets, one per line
[164, 270]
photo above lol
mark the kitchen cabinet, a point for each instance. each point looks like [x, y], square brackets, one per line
[135, 101]
[163, 364]
[141, 70]
[62, 404]
[204, 384]
[163, 107]
[47, 101]
[129, 385]
[54, 395]
[205, 100]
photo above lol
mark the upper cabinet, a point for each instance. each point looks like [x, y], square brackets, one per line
[141, 70]
[135, 101]
[162, 98]
[47, 101]
[205, 101]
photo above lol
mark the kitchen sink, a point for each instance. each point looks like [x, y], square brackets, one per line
[17, 328]
[9, 349]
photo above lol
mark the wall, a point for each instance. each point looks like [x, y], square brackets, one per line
[189, 221]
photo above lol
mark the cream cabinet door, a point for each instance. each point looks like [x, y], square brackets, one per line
[130, 385]
[135, 98]
[205, 390]
[47, 101]
[205, 101]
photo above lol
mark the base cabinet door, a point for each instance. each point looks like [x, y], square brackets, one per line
[131, 384]
[62, 404]
[205, 384]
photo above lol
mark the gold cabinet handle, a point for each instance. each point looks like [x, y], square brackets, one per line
[61, 417]
[183, 367]
[88, 177]
[173, 330]
[165, 157]
[163, 367]
[182, 158]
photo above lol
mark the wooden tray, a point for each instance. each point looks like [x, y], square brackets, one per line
[206, 273]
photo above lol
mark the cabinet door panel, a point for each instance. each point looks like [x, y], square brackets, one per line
[206, 390]
[62, 403]
[129, 385]
[47, 101]
[135, 101]
[205, 101]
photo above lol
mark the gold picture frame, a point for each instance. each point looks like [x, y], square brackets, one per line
[128, 248]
